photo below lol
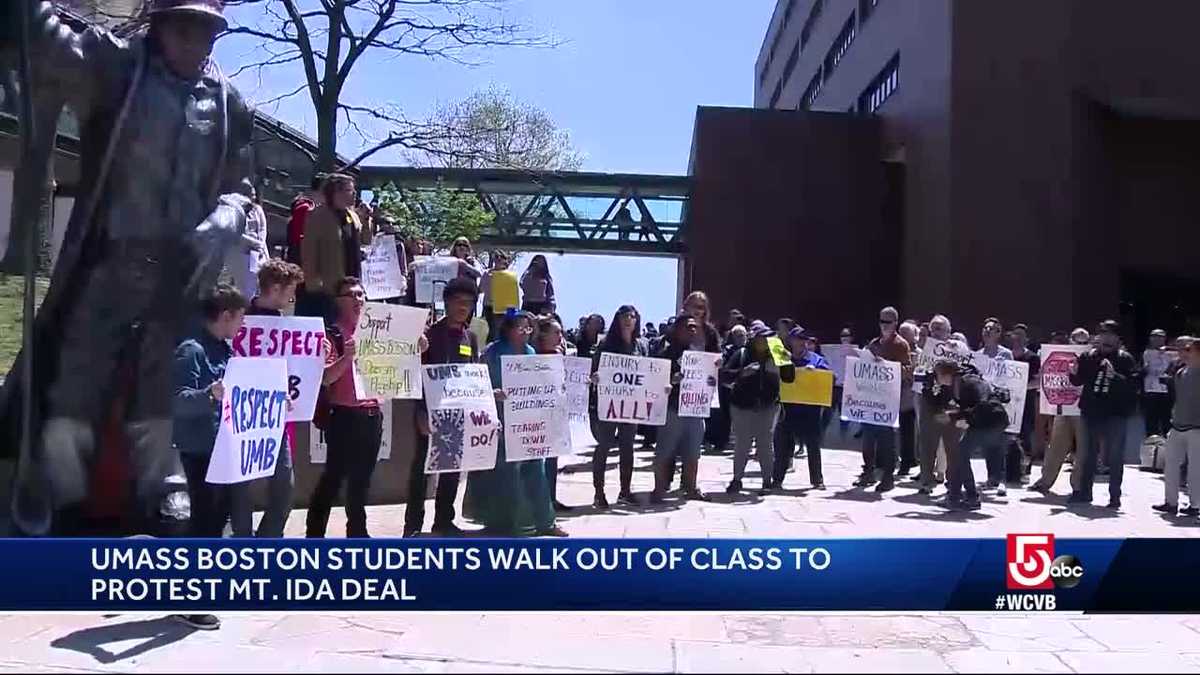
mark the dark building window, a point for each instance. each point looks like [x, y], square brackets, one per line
[787, 13]
[791, 63]
[776, 93]
[812, 91]
[881, 88]
[840, 45]
[865, 7]
[813, 14]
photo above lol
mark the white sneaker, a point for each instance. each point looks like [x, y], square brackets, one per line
[1001, 490]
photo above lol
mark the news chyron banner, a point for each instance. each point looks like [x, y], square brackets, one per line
[1024, 572]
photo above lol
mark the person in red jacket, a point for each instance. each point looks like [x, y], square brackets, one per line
[302, 205]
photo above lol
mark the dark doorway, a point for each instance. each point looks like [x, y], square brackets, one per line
[1150, 301]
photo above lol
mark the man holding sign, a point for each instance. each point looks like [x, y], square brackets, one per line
[800, 422]
[198, 369]
[879, 423]
[693, 386]
[355, 425]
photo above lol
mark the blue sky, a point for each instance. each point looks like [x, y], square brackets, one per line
[625, 81]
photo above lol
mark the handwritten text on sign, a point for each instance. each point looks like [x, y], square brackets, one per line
[431, 275]
[388, 359]
[382, 278]
[578, 371]
[633, 389]
[872, 392]
[252, 415]
[1013, 377]
[536, 420]
[938, 350]
[464, 429]
[698, 388]
[298, 340]
[1059, 396]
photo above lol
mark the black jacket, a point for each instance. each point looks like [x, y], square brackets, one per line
[757, 389]
[1104, 396]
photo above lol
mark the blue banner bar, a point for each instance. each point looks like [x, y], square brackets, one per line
[1134, 575]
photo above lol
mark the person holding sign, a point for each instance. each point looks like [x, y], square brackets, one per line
[514, 496]
[879, 442]
[799, 422]
[449, 341]
[959, 397]
[681, 436]
[355, 426]
[754, 405]
[933, 428]
[197, 371]
[501, 291]
[277, 283]
[1066, 431]
[548, 339]
[621, 339]
[1107, 374]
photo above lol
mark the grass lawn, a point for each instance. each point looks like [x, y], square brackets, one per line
[11, 288]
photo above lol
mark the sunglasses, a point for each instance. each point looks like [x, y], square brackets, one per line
[885, 322]
[353, 294]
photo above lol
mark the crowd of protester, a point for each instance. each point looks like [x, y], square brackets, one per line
[948, 412]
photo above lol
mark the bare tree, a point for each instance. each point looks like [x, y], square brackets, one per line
[328, 38]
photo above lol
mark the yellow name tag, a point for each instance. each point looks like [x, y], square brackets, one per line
[464, 350]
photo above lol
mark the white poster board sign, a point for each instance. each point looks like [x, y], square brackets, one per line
[388, 360]
[872, 392]
[698, 388]
[936, 350]
[633, 389]
[578, 372]
[300, 341]
[536, 419]
[1059, 396]
[1012, 376]
[253, 413]
[431, 275]
[836, 354]
[381, 275]
[464, 428]
[318, 450]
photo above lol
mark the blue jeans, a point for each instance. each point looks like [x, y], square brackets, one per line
[962, 477]
[680, 437]
[1109, 432]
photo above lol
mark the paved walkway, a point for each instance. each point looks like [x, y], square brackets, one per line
[674, 642]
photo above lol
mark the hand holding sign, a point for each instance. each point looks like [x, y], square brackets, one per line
[253, 410]
[301, 342]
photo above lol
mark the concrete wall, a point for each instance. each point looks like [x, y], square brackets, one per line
[785, 216]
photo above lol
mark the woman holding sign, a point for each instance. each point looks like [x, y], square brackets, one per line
[754, 406]
[620, 339]
[549, 340]
[514, 496]
[681, 436]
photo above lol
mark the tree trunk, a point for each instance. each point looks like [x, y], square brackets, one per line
[327, 138]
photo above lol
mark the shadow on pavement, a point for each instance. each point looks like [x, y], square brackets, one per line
[1178, 521]
[857, 494]
[1089, 511]
[154, 633]
[944, 515]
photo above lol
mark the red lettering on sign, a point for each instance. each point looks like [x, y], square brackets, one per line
[256, 341]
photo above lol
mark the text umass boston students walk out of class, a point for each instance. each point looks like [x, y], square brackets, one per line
[449, 341]
[621, 339]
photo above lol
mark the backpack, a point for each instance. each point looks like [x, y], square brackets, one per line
[324, 408]
[989, 412]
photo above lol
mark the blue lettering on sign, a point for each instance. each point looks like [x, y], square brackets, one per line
[255, 408]
[258, 454]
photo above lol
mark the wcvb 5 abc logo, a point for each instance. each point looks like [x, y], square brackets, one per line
[1033, 566]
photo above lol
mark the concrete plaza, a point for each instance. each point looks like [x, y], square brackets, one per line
[848, 642]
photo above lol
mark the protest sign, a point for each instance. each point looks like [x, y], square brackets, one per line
[936, 350]
[464, 429]
[633, 389]
[381, 275]
[811, 387]
[430, 276]
[698, 388]
[1059, 396]
[836, 355]
[536, 420]
[1156, 363]
[318, 449]
[253, 412]
[300, 341]
[1011, 376]
[779, 352]
[578, 373]
[388, 360]
[872, 392]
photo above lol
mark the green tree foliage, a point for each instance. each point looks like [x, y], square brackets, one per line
[438, 215]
